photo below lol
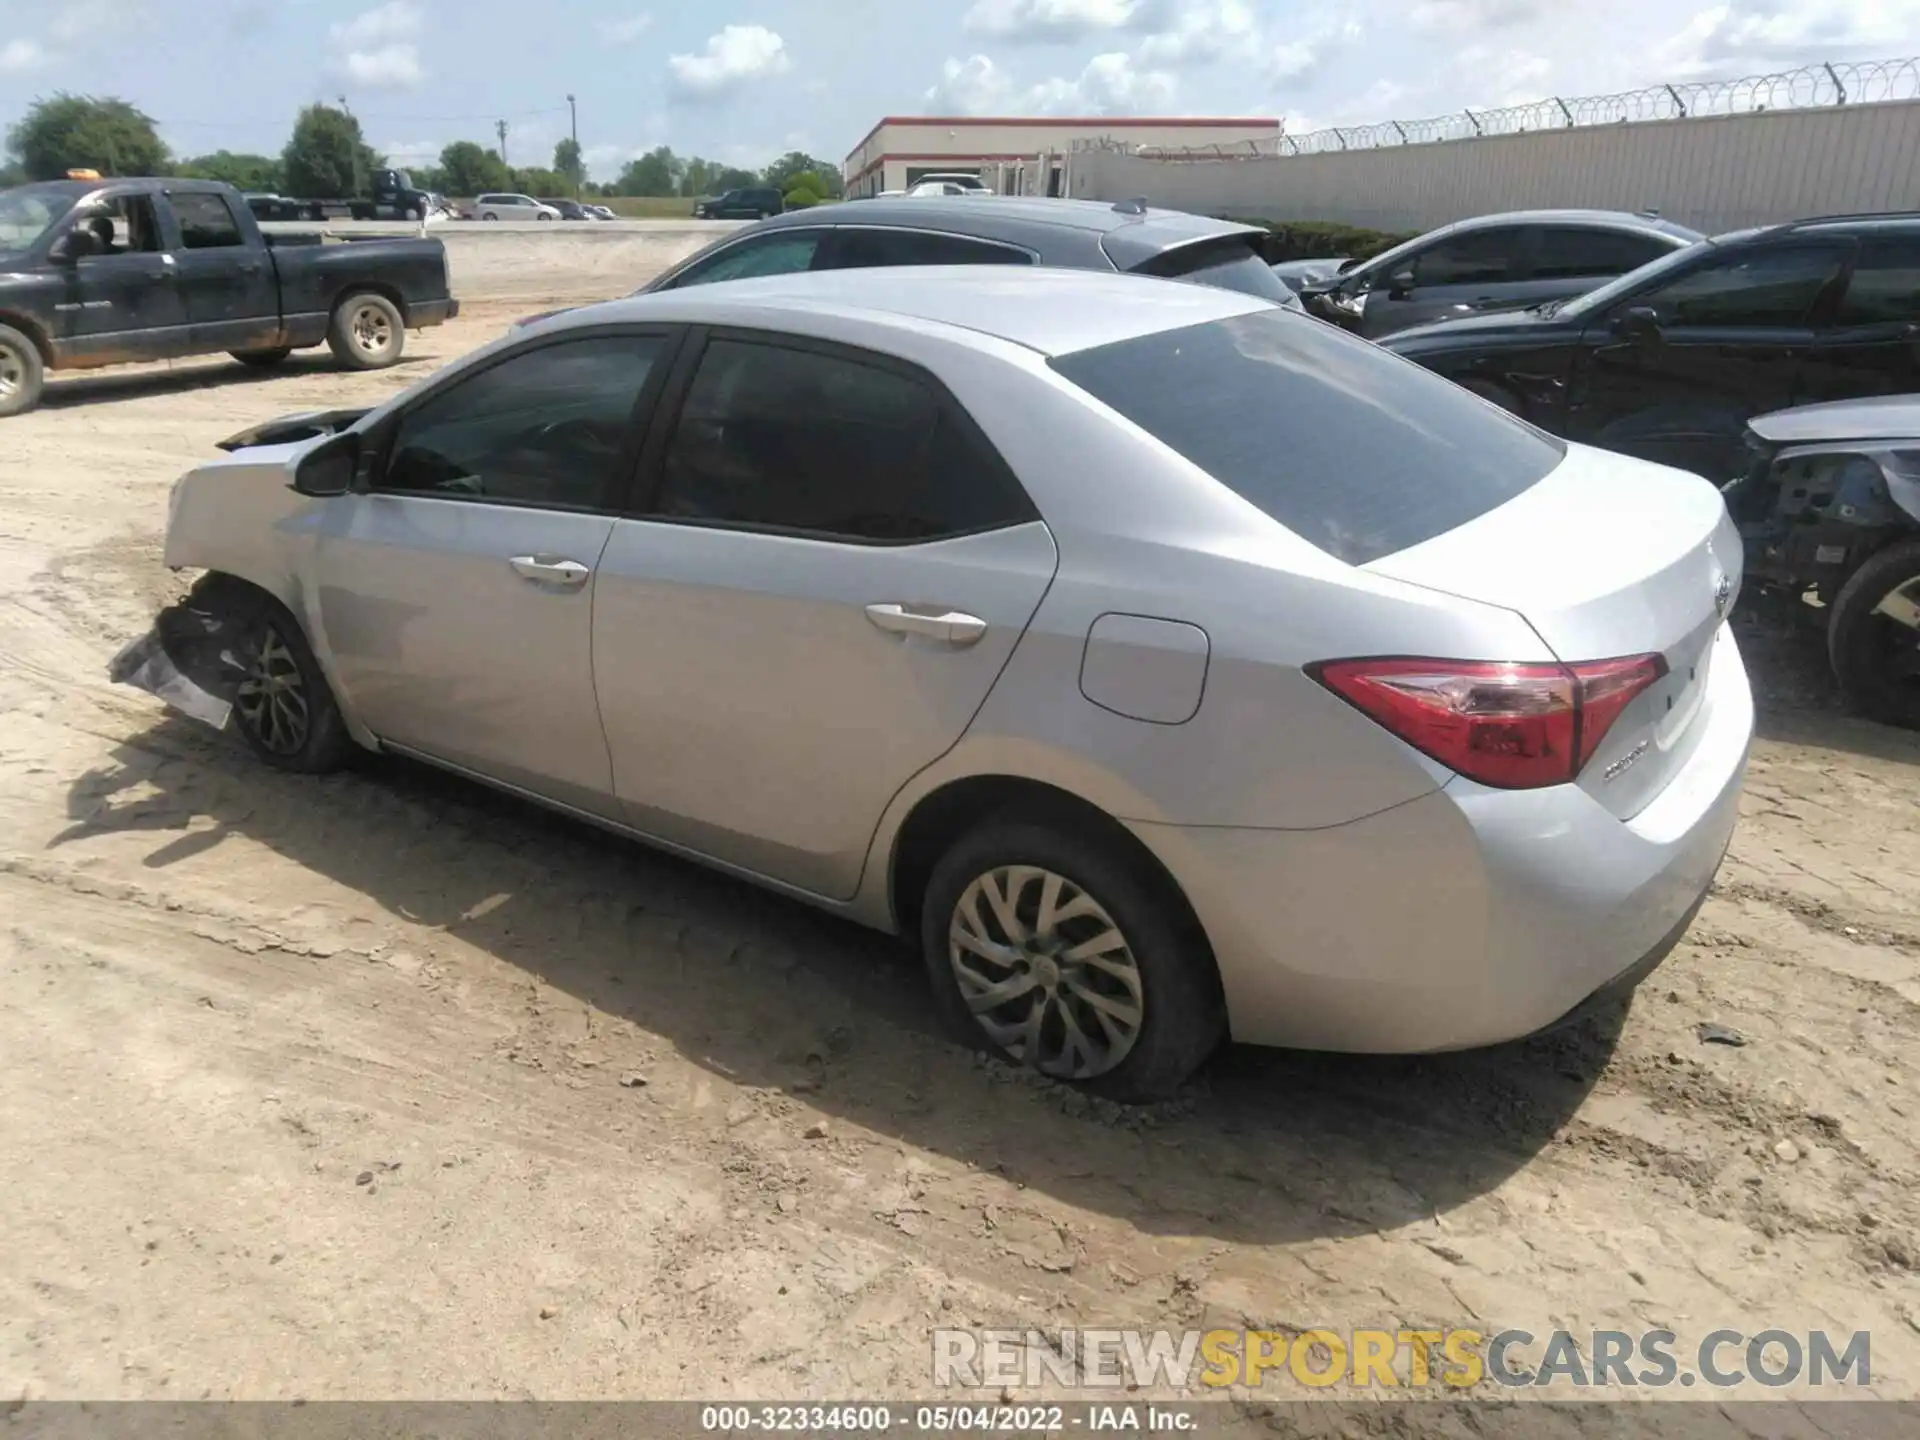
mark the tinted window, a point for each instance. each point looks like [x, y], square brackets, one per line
[544, 428]
[1481, 257]
[1349, 447]
[798, 440]
[1567, 253]
[1885, 288]
[205, 221]
[125, 226]
[857, 249]
[1230, 263]
[1748, 288]
[783, 252]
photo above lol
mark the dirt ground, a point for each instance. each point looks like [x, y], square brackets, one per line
[381, 1085]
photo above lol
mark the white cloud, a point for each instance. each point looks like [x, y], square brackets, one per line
[396, 20]
[406, 154]
[737, 54]
[1049, 20]
[391, 67]
[21, 55]
[1458, 15]
[625, 32]
[1202, 30]
[1513, 77]
[1111, 84]
[1291, 60]
[1748, 33]
[84, 20]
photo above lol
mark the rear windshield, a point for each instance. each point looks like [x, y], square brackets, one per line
[1351, 448]
[1229, 263]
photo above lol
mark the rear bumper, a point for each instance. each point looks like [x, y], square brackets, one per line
[424, 313]
[1469, 916]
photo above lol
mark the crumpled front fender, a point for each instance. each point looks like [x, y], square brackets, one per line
[190, 659]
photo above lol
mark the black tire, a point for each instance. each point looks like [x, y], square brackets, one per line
[262, 359]
[366, 332]
[1875, 657]
[284, 709]
[489, 217]
[415, 213]
[1182, 1016]
[23, 375]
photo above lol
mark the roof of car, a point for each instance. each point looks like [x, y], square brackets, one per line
[1605, 219]
[75, 189]
[1054, 312]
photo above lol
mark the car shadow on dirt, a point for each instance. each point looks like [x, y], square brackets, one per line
[103, 387]
[1266, 1147]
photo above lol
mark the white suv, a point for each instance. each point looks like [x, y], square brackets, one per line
[512, 207]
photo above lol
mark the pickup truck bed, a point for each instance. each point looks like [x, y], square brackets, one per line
[189, 272]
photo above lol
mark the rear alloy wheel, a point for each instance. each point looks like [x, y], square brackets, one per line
[282, 705]
[1873, 636]
[366, 332]
[1060, 953]
[22, 375]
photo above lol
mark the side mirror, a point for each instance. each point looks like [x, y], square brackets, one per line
[1641, 322]
[328, 468]
[74, 246]
[1400, 283]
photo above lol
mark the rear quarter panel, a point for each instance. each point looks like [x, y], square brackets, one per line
[314, 278]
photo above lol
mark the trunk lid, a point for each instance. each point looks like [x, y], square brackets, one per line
[1606, 557]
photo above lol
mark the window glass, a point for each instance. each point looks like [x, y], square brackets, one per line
[797, 440]
[1567, 253]
[125, 226]
[1351, 448]
[783, 253]
[1885, 288]
[544, 428]
[205, 221]
[1231, 263]
[1481, 257]
[1749, 289]
[854, 248]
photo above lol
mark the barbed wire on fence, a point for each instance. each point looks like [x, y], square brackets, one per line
[1811, 87]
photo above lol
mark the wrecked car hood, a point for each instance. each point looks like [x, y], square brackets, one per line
[291, 429]
[1877, 417]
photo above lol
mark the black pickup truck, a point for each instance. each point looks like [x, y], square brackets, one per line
[106, 272]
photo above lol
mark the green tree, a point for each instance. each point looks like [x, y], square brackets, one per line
[11, 174]
[243, 172]
[568, 162]
[795, 163]
[805, 189]
[541, 184]
[327, 156]
[657, 172]
[467, 169]
[71, 132]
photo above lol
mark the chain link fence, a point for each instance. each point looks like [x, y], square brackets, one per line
[1813, 86]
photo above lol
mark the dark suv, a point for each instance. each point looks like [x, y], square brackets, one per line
[1492, 262]
[993, 230]
[1670, 362]
[754, 204]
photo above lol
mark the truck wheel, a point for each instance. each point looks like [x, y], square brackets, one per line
[1873, 636]
[366, 332]
[21, 374]
[262, 359]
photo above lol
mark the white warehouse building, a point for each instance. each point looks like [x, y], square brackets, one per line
[1020, 155]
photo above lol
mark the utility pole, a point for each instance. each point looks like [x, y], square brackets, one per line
[574, 112]
[500, 129]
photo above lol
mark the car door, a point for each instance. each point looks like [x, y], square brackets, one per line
[826, 570]
[1674, 372]
[1869, 342]
[231, 293]
[1450, 277]
[456, 592]
[125, 300]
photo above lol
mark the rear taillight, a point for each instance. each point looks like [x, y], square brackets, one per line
[1514, 727]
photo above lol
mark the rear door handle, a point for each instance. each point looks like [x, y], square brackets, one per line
[949, 627]
[550, 572]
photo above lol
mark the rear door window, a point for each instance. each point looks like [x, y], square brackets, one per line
[205, 222]
[1480, 257]
[1351, 448]
[1572, 253]
[858, 248]
[1885, 289]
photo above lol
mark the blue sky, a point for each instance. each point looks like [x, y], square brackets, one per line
[746, 79]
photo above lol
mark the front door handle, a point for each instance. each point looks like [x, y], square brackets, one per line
[949, 627]
[550, 572]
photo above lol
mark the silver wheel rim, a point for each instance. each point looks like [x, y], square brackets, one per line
[272, 698]
[1046, 972]
[372, 330]
[13, 372]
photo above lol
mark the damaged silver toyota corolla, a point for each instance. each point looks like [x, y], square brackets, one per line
[1169, 663]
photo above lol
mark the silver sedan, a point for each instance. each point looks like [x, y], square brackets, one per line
[1166, 665]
